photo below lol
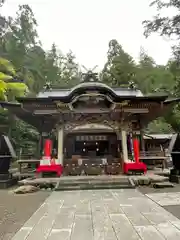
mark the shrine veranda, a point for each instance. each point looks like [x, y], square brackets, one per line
[91, 120]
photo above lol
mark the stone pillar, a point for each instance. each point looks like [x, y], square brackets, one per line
[60, 145]
[124, 146]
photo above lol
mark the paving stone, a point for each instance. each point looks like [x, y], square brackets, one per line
[102, 224]
[57, 234]
[137, 219]
[169, 231]
[112, 206]
[36, 216]
[176, 224]
[42, 229]
[149, 233]
[123, 228]
[123, 214]
[83, 228]
[107, 233]
[83, 208]
[156, 218]
[165, 199]
[65, 218]
[22, 234]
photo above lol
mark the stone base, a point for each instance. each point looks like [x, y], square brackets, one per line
[5, 176]
[6, 183]
[72, 169]
[174, 178]
[163, 185]
[93, 170]
[174, 171]
[113, 169]
[134, 167]
[58, 169]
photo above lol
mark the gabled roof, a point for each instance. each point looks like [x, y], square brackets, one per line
[117, 94]
[90, 86]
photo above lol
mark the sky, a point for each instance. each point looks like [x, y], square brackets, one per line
[86, 27]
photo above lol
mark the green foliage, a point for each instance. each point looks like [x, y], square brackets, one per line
[169, 26]
[149, 77]
[24, 137]
[164, 25]
[7, 72]
[120, 66]
[22, 56]
[159, 126]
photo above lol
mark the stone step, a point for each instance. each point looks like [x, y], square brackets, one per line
[94, 184]
[91, 187]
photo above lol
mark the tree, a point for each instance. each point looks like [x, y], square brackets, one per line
[120, 66]
[168, 26]
[7, 83]
[20, 45]
[17, 42]
[70, 75]
[1, 2]
[2, 20]
[165, 26]
[157, 79]
[159, 126]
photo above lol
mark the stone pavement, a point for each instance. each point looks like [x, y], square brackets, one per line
[124, 214]
[165, 199]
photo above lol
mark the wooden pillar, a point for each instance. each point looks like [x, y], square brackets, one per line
[124, 146]
[143, 149]
[40, 145]
[60, 145]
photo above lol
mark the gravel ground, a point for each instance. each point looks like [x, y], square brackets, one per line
[15, 210]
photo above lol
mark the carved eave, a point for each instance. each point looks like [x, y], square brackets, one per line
[16, 108]
[37, 121]
[49, 111]
[171, 101]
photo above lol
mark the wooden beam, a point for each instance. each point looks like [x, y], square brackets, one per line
[45, 112]
[136, 110]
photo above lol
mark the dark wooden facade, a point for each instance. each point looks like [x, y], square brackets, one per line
[95, 106]
[92, 102]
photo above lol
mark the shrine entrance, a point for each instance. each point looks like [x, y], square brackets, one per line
[92, 149]
[91, 144]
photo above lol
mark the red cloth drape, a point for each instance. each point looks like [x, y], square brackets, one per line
[136, 149]
[47, 148]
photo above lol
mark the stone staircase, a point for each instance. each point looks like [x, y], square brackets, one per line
[93, 182]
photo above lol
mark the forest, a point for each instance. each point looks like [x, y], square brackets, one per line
[25, 68]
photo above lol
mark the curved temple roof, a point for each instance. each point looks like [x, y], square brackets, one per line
[89, 85]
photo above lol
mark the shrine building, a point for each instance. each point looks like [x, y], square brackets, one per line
[91, 123]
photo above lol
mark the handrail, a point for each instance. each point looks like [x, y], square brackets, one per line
[152, 153]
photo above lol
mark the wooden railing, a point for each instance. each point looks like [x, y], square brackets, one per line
[152, 154]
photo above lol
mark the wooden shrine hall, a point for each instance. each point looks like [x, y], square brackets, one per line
[91, 128]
